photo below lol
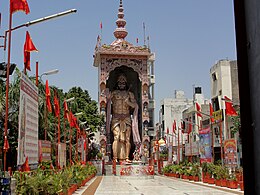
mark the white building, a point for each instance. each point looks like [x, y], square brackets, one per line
[224, 82]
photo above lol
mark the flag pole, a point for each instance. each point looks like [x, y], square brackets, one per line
[212, 140]
[221, 150]
[101, 37]
[144, 33]
[178, 146]
[7, 84]
[37, 74]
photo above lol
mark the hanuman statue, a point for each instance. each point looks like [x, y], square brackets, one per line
[123, 102]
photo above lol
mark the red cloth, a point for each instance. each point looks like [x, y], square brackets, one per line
[198, 110]
[211, 112]
[56, 104]
[48, 96]
[230, 111]
[6, 144]
[28, 47]
[19, 5]
[174, 127]
[26, 166]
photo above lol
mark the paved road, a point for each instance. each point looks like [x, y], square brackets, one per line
[159, 185]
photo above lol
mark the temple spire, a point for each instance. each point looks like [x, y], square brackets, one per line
[120, 32]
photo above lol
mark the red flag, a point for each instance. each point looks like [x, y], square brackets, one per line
[66, 111]
[19, 5]
[25, 166]
[101, 26]
[174, 127]
[27, 48]
[56, 104]
[48, 96]
[190, 127]
[6, 144]
[229, 107]
[73, 121]
[167, 132]
[198, 110]
[211, 112]
[137, 40]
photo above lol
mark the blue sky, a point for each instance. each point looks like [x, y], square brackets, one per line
[187, 37]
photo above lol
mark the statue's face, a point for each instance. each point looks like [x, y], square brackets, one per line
[121, 82]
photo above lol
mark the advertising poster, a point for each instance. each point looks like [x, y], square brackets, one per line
[28, 123]
[44, 150]
[230, 152]
[205, 145]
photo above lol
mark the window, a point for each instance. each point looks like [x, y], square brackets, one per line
[214, 76]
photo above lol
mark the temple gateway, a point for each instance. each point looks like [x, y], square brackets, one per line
[126, 94]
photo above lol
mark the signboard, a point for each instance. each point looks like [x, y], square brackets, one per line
[230, 152]
[62, 155]
[218, 115]
[44, 150]
[28, 123]
[194, 147]
[205, 145]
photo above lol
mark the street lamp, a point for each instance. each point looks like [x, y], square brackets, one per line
[9, 60]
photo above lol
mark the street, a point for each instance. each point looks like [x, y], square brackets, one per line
[159, 185]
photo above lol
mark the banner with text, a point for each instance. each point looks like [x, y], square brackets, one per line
[28, 123]
[44, 150]
[62, 154]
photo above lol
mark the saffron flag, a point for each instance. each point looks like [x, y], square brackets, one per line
[19, 5]
[73, 121]
[48, 96]
[211, 112]
[198, 110]
[56, 104]
[230, 111]
[66, 111]
[6, 144]
[174, 127]
[27, 48]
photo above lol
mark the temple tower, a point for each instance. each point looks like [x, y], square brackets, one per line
[137, 63]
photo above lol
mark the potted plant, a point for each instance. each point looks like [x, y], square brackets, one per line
[166, 170]
[210, 171]
[181, 172]
[224, 176]
[217, 175]
[195, 171]
[177, 170]
[205, 176]
[185, 173]
[239, 173]
[232, 181]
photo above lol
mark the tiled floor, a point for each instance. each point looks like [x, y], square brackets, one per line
[159, 185]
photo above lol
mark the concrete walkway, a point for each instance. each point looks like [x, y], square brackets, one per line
[160, 185]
